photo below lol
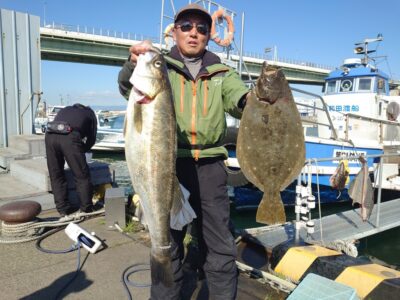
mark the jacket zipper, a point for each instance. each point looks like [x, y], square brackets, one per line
[194, 93]
[194, 102]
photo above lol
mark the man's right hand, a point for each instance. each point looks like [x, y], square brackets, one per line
[140, 48]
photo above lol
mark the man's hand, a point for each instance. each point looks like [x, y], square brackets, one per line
[140, 48]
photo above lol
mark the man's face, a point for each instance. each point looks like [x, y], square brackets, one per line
[191, 43]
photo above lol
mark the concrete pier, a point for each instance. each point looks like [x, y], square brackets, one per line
[25, 175]
[27, 273]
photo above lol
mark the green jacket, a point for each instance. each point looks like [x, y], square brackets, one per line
[200, 103]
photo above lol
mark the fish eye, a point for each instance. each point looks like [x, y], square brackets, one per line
[157, 64]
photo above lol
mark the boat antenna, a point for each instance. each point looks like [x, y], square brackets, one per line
[362, 48]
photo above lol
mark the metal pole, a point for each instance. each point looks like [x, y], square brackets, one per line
[297, 225]
[378, 209]
[161, 22]
[44, 14]
[241, 47]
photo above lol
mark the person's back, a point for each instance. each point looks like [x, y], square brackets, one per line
[81, 118]
[68, 137]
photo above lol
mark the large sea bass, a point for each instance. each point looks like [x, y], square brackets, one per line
[150, 150]
[270, 144]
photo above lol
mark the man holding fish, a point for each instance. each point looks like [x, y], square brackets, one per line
[203, 89]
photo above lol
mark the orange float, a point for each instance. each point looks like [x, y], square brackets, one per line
[219, 14]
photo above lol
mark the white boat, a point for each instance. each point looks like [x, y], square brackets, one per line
[357, 114]
[110, 127]
[43, 116]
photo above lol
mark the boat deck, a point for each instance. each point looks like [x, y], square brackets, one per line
[344, 226]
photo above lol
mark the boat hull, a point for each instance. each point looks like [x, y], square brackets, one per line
[248, 197]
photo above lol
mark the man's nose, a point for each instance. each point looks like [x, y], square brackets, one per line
[194, 29]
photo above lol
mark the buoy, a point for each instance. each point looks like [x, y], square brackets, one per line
[221, 14]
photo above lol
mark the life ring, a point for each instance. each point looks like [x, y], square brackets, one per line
[168, 34]
[218, 14]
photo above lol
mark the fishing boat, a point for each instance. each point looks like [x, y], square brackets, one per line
[110, 127]
[356, 115]
[44, 115]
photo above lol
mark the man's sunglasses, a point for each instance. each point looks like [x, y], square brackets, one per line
[187, 26]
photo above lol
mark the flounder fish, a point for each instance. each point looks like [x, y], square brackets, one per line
[270, 144]
[361, 190]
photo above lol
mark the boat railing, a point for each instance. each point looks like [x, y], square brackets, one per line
[322, 107]
[378, 172]
[353, 126]
[386, 130]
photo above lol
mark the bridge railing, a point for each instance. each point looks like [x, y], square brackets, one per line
[101, 32]
[141, 37]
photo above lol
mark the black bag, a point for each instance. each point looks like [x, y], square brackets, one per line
[59, 127]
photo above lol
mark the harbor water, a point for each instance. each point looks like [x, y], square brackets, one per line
[384, 247]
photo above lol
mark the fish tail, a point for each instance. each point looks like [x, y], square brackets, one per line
[271, 210]
[161, 270]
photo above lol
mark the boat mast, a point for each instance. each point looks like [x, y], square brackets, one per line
[364, 49]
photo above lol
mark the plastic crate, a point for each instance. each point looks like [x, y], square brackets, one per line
[314, 287]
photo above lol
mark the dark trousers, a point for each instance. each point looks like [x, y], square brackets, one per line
[206, 182]
[68, 147]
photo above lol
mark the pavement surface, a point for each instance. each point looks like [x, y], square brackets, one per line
[27, 273]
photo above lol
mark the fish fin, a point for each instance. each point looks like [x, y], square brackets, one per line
[271, 210]
[161, 270]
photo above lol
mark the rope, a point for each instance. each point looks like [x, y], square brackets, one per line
[30, 231]
[347, 247]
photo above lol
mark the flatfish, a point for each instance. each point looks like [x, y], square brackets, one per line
[270, 144]
[361, 190]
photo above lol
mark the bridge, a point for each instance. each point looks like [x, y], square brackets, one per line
[74, 44]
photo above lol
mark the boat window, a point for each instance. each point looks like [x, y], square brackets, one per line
[346, 85]
[331, 87]
[364, 84]
[381, 86]
[118, 122]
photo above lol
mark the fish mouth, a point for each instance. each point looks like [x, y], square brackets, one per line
[140, 97]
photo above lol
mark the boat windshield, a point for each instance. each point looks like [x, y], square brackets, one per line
[364, 84]
[117, 122]
[352, 85]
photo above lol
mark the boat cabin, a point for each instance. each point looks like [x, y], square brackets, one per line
[355, 77]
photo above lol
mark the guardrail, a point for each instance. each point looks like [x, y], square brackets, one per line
[141, 37]
[378, 170]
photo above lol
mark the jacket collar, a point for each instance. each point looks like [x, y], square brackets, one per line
[175, 60]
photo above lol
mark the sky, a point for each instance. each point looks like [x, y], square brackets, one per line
[322, 32]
